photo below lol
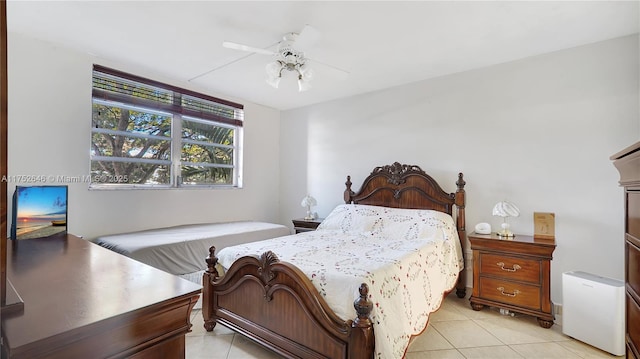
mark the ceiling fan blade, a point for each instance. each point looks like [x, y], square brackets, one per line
[307, 38]
[257, 50]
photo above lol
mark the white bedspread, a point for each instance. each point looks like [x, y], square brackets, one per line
[182, 249]
[409, 258]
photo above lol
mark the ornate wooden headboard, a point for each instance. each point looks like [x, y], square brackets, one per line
[405, 186]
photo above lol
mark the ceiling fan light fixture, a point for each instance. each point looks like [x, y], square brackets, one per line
[306, 72]
[274, 73]
[305, 75]
[303, 85]
[274, 81]
[288, 56]
[274, 69]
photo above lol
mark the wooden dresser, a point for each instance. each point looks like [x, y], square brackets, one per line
[627, 162]
[85, 301]
[513, 274]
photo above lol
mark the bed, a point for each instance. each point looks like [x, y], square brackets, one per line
[298, 312]
[179, 249]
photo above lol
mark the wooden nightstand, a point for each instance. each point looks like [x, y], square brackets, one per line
[306, 225]
[513, 274]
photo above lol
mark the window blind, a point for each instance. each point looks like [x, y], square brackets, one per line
[118, 86]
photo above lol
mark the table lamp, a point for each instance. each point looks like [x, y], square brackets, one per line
[309, 202]
[505, 210]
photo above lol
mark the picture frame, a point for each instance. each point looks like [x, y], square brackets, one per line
[544, 225]
[39, 211]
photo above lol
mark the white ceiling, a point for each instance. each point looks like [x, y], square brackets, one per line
[381, 43]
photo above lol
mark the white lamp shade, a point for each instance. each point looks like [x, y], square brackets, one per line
[505, 209]
[273, 81]
[304, 78]
[308, 201]
[273, 73]
[273, 69]
[303, 85]
[306, 72]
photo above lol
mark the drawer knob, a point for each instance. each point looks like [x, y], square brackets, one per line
[515, 292]
[513, 269]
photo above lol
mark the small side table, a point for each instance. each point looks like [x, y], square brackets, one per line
[513, 273]
[306, 225]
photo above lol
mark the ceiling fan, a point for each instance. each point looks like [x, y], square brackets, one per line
[289, 55]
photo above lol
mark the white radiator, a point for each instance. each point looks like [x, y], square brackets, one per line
[593, 310]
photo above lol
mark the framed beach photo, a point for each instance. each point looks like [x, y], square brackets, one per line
[39, 211]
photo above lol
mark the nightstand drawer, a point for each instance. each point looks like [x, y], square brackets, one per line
[522, 295]
[512, 268]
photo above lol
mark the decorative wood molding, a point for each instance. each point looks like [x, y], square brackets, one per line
[363, 307]
[627, 162]
[397, 172]
[348, 193]
[212, 262]
[266, 273]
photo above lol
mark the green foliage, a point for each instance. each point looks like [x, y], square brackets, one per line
[120, 145]
[213, 145]
[208, 150]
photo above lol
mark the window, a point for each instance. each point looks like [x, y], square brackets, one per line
[146, 134]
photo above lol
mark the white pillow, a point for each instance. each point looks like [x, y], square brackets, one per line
[350, 218]
[392, 223]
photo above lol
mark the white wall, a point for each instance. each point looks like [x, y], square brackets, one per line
[537, 132]
[49, 134]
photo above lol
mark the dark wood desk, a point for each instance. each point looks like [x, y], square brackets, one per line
[85, 301]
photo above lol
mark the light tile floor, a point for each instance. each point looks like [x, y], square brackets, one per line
[454, 331]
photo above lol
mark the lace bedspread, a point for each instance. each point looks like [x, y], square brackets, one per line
[408, 258]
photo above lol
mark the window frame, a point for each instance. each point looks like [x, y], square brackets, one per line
[184, 105]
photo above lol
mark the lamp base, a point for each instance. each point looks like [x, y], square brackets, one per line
[505, 234]
[310, 216]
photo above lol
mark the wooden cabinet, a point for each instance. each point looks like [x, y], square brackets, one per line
[85, 301]
[306, 225]
[627, 162]
[513, 274]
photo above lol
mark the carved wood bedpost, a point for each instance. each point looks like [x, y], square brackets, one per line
[348, 193]
[362, 339]
[208, 277]
[461, 288]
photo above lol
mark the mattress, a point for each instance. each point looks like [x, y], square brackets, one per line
[182, 249]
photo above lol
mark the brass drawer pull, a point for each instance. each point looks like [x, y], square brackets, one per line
[515, 267]
[515, 292]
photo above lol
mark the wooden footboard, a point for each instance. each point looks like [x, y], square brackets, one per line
[276, 305]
